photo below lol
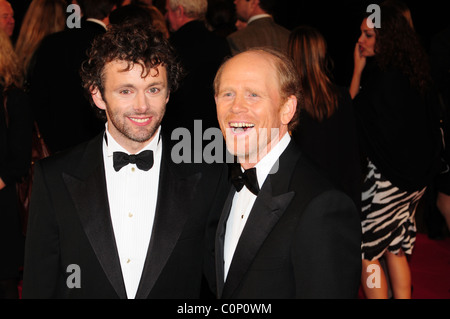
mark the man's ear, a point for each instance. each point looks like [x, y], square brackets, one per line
[179, 11]
[288, 109]
[98, 98]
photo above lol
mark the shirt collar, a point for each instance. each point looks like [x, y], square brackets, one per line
[265, 165]
[97, 21]
[259, 16]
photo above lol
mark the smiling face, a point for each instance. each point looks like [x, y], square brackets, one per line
[134, 105]
[251, 112]
[367, 39]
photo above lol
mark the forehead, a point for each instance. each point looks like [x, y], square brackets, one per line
[5, 7]
[251, 67]
[367, 25]
[120, 68]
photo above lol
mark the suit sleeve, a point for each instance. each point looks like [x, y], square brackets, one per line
[326, 253]
[18, 159]
[41, 267]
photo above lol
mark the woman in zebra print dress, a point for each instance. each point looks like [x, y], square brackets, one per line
[400, 139]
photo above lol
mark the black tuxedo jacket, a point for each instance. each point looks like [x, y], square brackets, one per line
[70, 223]
[301, 240]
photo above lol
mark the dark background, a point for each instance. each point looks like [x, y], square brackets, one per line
[338, 20]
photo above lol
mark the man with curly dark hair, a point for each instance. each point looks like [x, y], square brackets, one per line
[115, 217]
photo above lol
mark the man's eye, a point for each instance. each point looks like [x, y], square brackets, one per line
[154, 90]
[126, 91]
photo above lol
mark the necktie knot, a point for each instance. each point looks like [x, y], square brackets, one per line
[143, 160]
[247, 178]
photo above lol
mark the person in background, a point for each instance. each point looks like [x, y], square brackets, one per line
[400, 140]
[440, 70]
[139, 13]
[64, 114]
[157, 17]
[221, 17]
[7, 22]
[402, 7]
[42, 18]
[15, 158]
[261, 29]
[327, 133]
[200, 52]
[285, 231]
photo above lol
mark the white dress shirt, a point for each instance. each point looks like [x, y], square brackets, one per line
[243, 201]
[98, 21]
[259, 16]
[132, 195]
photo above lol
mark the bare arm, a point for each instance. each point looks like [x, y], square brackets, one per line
[359, 64]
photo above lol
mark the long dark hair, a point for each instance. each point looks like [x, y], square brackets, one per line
[398, 46]
[308, 48]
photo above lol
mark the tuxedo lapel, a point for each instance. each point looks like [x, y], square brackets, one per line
[175, 190]
[87, 187]
[264, 215]
[270, 205]
[220, 240]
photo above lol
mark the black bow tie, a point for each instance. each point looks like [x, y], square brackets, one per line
[143, 160]
[247, 178]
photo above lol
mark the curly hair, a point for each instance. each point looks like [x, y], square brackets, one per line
[398, 46]
[139, 44]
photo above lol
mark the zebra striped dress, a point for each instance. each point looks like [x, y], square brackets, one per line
[388, 216]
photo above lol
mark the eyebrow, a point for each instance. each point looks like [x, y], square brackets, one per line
[149, 85]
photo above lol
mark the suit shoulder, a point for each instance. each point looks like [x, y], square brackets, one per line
[64, 159]
[306, 172]
[315, 191]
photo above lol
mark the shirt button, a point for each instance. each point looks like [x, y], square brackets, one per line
[130, 215]
[128, 260]
[133, 169]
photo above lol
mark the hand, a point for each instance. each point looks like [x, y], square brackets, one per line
[359, 60]
[359, 64]
[2, 184]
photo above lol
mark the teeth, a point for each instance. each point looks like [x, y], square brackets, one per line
[139, 120]
[241, 125]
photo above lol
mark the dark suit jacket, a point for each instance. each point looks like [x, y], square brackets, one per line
[70, 224]
[301, 240]
[259, 33]
[64, 114]
[15, 161]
